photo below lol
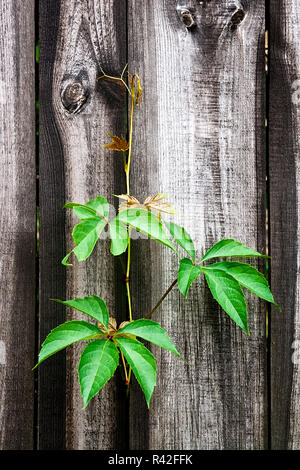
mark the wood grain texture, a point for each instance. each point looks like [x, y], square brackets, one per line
[52, 278]
[200, 138]
[17, 225]
[91, 34]
[284, 121]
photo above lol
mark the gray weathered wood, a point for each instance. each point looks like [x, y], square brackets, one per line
[17, 226]
[284, 121]
[91, 34]
[51, 374]
[199, 137]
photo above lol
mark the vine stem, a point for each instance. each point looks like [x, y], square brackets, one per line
[128, 274]
[127, 172]
[127, 166]
[149, 316]
[125, 369]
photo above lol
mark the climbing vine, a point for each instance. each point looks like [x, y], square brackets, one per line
[109, 344]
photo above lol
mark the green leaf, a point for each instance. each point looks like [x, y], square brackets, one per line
[150, 331]
[228, 293]
[64, 335]
[96, 207]
[247, 276]
[187, 274]
[64, 261]
[92, 306]
[147, 223]
[182, 237]
[229, 247]
[142, 363]
[119, 237]
[97, 365]
[86, 235]
[82, 211]
[100, 205]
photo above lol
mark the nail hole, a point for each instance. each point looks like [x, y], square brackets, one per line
[236, 19]
[187, 18]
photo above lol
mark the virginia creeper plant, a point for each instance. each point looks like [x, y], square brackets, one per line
[111, 345]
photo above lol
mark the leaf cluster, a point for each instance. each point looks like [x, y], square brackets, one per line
[100, 358]
[227, 278]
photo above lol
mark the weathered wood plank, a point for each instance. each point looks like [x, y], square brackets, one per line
[284, 121]
[17, 226]
[52, 374]
[200, 138]
[91, 34]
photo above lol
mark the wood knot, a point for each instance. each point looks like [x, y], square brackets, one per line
[74, 96]
[187, 18]
[236, 19]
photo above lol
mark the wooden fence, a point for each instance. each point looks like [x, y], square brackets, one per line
[200, 136]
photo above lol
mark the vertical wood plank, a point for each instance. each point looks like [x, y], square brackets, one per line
[52, 374]
[200, 138]
[17, 226]
[91, 34]
[284, 122]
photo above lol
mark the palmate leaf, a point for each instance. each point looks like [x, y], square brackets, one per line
[119, 237]
[228, 293]
[230, 247]
[187, 274]
[247, 276]
[182, 237]
[92, 306]
[97, 365]
[142, 363]
[147, 223]
[150, 331]
[119, 144]
[65, 334]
